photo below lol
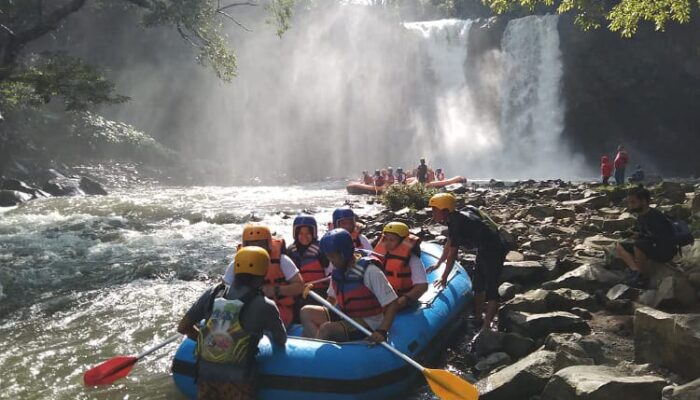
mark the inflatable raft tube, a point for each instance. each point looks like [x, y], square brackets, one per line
[361, 188]
[439, 184]
[312, 369]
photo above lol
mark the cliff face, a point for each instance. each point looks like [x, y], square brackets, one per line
[643, 92]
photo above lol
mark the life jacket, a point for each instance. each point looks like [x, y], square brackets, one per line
[621, 159]
[352, 296]
[309, 264]
[401, 178]
[378, 181]
[396, 263]
[368, 180]
[390, 179]
[222, 339]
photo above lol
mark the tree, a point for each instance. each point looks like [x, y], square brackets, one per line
[623, 16]
[32, 79]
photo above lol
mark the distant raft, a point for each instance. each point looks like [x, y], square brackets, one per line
[361, 188]
[311, 369]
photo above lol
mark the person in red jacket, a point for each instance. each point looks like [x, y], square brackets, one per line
[621, 160]
[606, 169]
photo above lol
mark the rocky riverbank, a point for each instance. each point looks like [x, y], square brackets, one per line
[569, 327]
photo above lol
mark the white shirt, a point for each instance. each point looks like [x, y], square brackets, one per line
[289, 269]
[418, 274]
[365, 243]
[376, 282]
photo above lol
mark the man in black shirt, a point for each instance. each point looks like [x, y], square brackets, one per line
[472, 229]
[655, 239]
[422, 171]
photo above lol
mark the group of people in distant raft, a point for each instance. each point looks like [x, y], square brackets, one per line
[262, 289]
[423, 174]
[617, 168]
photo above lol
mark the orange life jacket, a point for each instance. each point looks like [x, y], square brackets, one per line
[396, 263]
[352, 296]
[309, 264]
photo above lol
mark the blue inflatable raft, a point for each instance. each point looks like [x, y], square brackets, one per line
[312, 369]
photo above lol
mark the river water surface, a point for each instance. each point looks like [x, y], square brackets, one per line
[83, 279]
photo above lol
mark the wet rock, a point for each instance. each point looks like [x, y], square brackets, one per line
[622, 292]
[540, 212]
[564, 299]
[63, 187]
[91, 187]
[583, 347]
[561, 213]
[515, 345]
[593, 202]
[689, 391]
[521, 380]
[542, 324]
[533, 301]
[493, 361]
[588, 277]
[588, 382]
[675, 291]
[544, 245]
[582, 312]
[668, 340]
[9, 198]
[508, 290]
[19, 186]
[514, 256]
[522, 271]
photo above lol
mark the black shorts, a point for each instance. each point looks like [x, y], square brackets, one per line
[487, 272]
[351, 333]
[651, 249]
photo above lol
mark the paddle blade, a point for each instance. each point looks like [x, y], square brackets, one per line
[448, 386]
[109, 371]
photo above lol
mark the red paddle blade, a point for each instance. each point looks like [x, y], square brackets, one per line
[109, 371]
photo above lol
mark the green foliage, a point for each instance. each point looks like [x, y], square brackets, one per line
[415, 196]
[623, 16]
[280, 14]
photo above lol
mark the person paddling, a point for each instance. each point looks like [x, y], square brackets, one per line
[307, 255]
[345, 218]
[474, 229]
[283, 281]
[358, 288]
[402, 264]
[236, 317]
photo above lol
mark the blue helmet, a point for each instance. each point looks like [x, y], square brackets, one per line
[342, 213]
[305, 220]
[338, 241]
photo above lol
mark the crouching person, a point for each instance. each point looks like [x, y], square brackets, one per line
[358, 288]
[236, 317]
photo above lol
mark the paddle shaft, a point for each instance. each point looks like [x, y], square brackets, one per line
[159, 345]
[364, 330]
[328, 278]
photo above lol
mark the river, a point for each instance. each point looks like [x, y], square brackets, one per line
[83, 279]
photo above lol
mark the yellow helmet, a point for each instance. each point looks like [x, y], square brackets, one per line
[252, 260]
[443, 201]
[253, 233]
[397, 228]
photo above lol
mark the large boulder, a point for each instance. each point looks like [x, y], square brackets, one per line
[588, 277]
[521, 380]
[9, 198]
[532, 301]
[668, 340]
[674, 292]
[63, 187]
[540, 325]
[565, 299]
[493, 361]
[689, 391]
[595, 382]
[516, 346]
[91, 187]
[19, 186]
[522, 271]
[583, 347]
[544, 244]
[508, 290]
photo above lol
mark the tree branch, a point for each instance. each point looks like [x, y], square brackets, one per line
[234, 20]
[245, 3]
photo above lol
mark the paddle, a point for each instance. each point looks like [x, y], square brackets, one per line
[444, 384]
[119, 367]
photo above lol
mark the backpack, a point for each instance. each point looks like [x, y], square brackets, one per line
[682, 233]
[474, 213]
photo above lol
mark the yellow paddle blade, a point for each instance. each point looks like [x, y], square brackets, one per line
[448, 386]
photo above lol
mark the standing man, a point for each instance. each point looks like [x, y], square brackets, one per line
[472, 228]
[621, 160]
[422, 171]
[236, 317]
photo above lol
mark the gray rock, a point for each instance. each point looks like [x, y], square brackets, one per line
[689, 391]
[582, 312]
[620, 224]
[588, 277]
[493, 361]
[63, 187]
[521, 380]
[544, 245]
[532, 301]
[601, 383]
[540, 212]
[540, 325]
[622, 292]
[562, 212]
[593, 202]
[19, 186]
[565, 299]
[91, 187]
[675, 291]
[514, 256]
[582, 347]
[668, 340]
[522, 271]
[517, 346]
[508, 290]
[9, 198]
